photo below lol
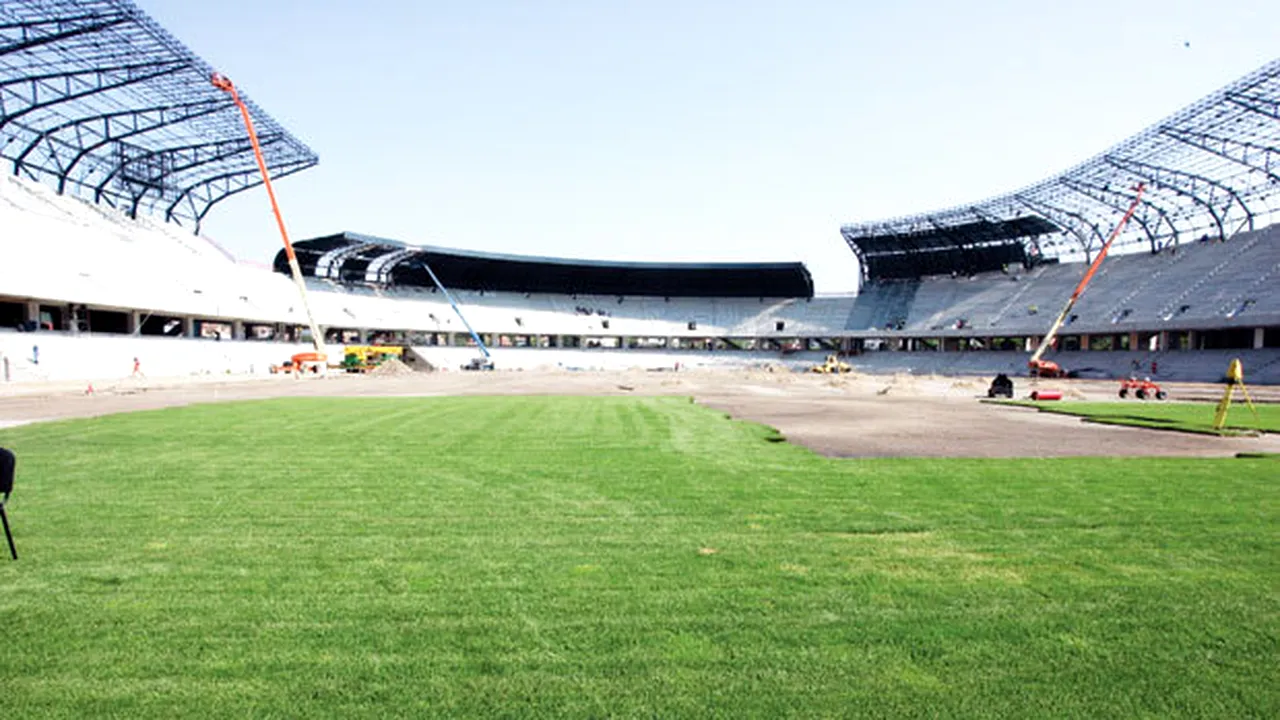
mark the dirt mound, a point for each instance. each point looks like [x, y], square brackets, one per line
[392, 366]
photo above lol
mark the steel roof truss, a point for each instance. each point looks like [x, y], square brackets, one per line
[1118, 202]
[1256, 103]
[1229, 149]
[1086, 244]
[66, 28]
[1176, 180]
[107, 80]
[188, 157]
[231, 184]
[116, 126]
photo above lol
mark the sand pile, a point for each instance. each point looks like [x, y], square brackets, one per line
[392, 366]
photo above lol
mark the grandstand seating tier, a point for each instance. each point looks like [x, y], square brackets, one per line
[62, 250]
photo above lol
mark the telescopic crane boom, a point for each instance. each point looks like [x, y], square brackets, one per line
[1039, 367]
[222, 82]
[458, 311]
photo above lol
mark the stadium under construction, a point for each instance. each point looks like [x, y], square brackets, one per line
[116, 144]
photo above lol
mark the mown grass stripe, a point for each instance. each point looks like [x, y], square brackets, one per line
[630, 556]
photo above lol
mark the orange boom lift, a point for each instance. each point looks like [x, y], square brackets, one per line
[222, 82]
[1037, 366]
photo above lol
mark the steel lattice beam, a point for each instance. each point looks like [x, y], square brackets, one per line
[1223, 147]
[100, 101]
[116, 127]
[1058, 215]
[1176, 180]
[1256, 103]
[1119, 203]
[1215, 164]
[186, 157]
[67, 28]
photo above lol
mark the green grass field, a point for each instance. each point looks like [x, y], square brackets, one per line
[1181, 416]
[616, 557]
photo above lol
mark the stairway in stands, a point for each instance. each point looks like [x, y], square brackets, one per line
[1171, 308]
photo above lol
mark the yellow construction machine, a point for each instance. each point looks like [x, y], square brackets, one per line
[363, 358]
[833, 365]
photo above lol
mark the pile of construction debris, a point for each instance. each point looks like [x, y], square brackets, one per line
[392, 366]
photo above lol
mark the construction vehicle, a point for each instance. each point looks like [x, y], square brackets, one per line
[223, 83]
[833, 365]
[1142, 389]
[1001, 386]
[312, 362]
[485, 361]
[479, 363]
[363, 358]
[1037, 366]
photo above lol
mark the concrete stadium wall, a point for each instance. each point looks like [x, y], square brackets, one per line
[1261, 367]
[452, 358]
[63, 357]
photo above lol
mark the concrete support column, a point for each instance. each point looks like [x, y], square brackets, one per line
[32, 311]
[188, 327]
[1164, 341]
[237, 330]
[1258, 335]
[134, 324]
[1084, 343]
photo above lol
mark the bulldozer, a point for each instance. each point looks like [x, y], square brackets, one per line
[833, 365]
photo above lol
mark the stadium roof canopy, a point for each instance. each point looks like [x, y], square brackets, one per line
[99, 100]
[355, 258]
[1212, 169]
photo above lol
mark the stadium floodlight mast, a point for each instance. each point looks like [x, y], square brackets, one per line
[222, 82]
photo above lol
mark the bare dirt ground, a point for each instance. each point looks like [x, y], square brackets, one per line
[841, 416]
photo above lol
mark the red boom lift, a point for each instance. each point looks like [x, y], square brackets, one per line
[223, 83]
[1039, 367]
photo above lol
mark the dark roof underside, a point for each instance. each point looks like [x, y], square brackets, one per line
[967, 248]
[354, 258]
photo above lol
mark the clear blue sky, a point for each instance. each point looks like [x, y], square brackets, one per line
[725, 130]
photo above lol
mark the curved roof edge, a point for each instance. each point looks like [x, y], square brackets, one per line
[355, 257]
[1212, 168]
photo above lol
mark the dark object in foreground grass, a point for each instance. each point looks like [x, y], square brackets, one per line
[8, 462]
